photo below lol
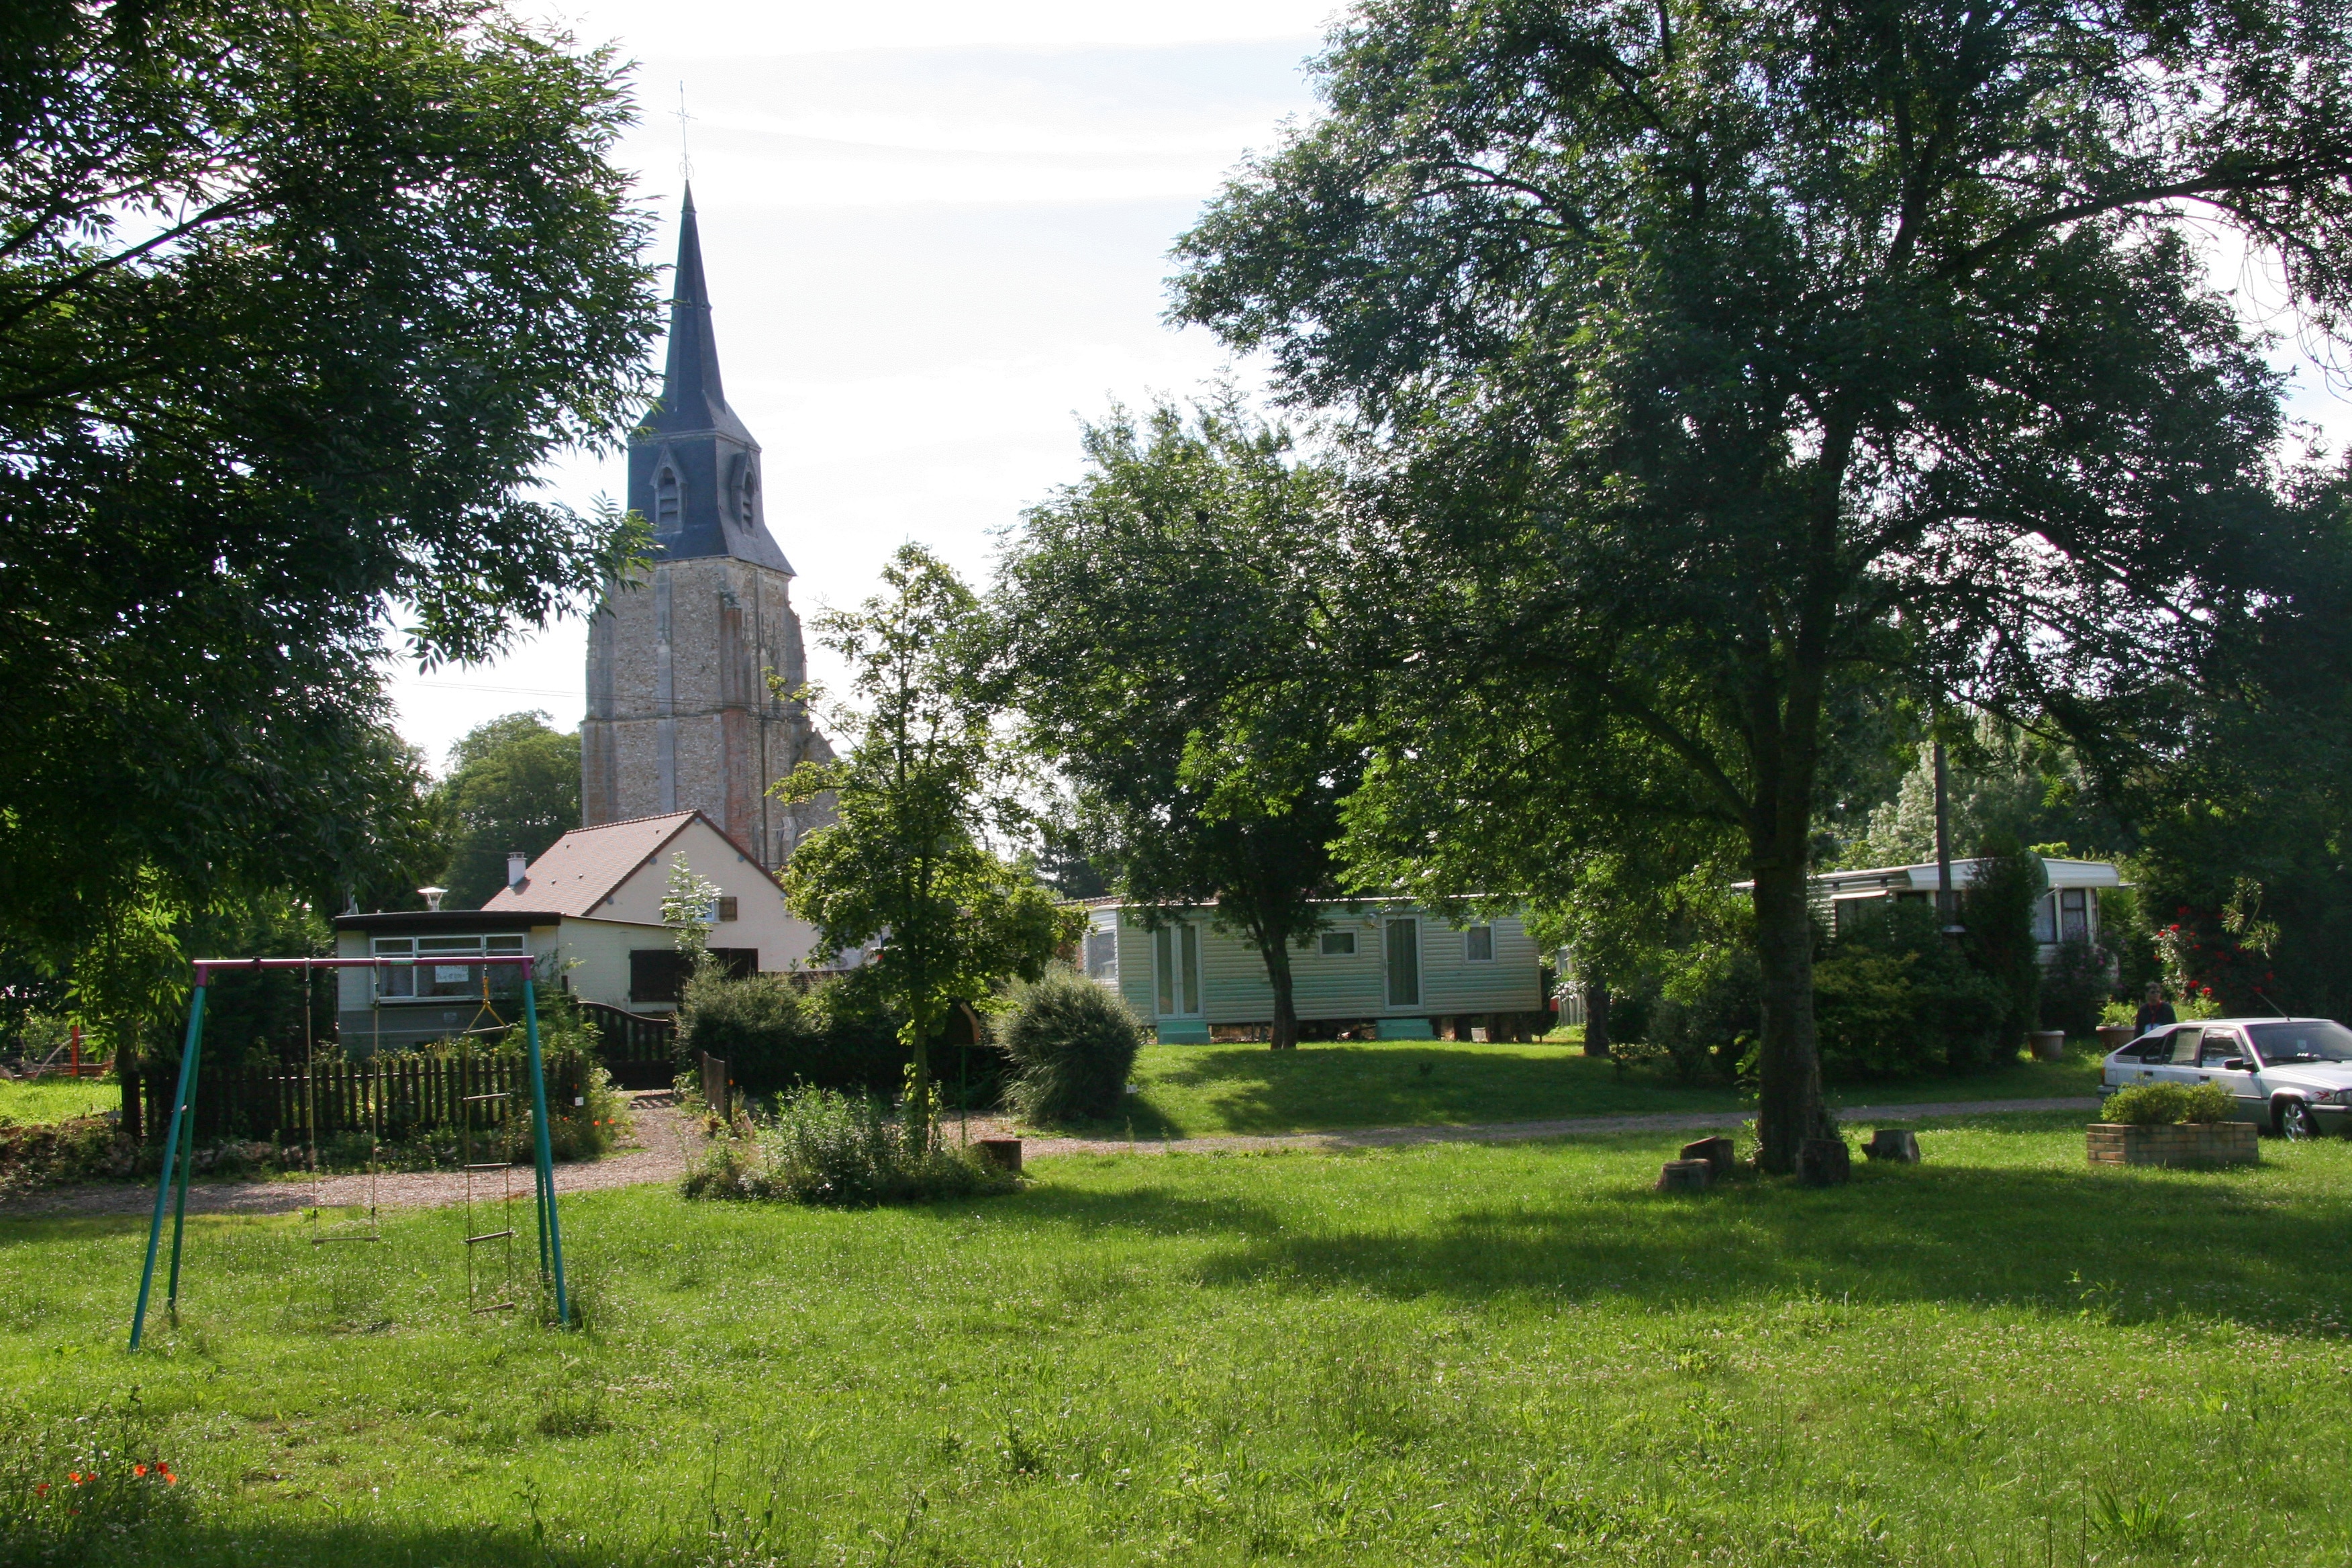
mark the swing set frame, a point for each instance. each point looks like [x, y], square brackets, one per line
[179, 1140]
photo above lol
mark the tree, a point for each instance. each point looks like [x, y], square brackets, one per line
[920, 790]
[295, 301]
[513, 785]
[1165, 634]
[1717, 359]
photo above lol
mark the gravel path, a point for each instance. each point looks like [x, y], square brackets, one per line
[657, 1154]
[660, 1154]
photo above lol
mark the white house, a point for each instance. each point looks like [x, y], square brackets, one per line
[2070, 908]
[1384, 965]
[589, 909]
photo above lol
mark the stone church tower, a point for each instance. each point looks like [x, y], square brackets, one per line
[680, 714]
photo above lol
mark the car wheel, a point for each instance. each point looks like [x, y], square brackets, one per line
[2295, 1121]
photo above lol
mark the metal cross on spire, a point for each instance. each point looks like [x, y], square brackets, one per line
[684, 157]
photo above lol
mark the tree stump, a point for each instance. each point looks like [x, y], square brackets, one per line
[1004, 1154]
[1717, 1152]
[1824, 1162]
[1686, 1176]
[1893, 1144]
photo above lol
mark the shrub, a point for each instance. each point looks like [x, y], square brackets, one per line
[1709, 1012]
[846, 1151]
[2074, 987]
[2166, 1104]
[774, 1037]
[1893, 996]
[1998, 908]
[1073, 1046]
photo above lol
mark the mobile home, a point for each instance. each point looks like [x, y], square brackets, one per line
[1379, 968]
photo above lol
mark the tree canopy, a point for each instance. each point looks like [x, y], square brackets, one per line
[920, 791]
[513, 785]
[1165, 631]
[1724, 361]
[295, 299]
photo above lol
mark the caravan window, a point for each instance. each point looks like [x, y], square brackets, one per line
[1102, 955]
[1478, 944]
[2073, 914]
[1339, 945]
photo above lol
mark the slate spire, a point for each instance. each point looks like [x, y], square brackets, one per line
[693, 470]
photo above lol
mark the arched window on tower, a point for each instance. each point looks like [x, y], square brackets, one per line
[667, 509]
[750, 494]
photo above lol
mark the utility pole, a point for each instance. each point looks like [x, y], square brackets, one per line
[1944, 910]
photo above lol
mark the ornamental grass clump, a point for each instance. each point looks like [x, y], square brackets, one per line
[1073, 1046]
[2168, 1104]
[840, 1150]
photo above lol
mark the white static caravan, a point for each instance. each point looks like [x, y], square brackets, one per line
[1385, 966]
[2069, 910]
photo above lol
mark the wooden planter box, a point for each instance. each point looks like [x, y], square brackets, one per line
[2191, 1145]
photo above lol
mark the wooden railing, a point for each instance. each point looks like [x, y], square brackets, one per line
[391, 1098]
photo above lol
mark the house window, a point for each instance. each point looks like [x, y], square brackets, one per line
[1478, 944]
[665, 500]
[725, 906]
[1102, 955]
[1339, 945]
[2073, 914]
[1176, 950]
[439, 971]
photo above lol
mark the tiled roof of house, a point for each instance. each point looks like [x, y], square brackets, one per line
[576, 873]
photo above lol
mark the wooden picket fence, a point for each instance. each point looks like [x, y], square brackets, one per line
[395, 1097]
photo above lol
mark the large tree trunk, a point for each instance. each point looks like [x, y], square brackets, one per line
[1790, 1107]
[1285, 1011]
[1596, 1015]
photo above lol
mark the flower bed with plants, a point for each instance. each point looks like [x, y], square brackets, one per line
[2173, 1124]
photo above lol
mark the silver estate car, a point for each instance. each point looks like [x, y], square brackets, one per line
[2293, 1075]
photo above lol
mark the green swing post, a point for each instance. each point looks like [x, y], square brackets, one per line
[172, 1143]
[550, 1231]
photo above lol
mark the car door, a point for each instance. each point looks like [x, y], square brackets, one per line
[2216, 1049]
[2179, 1063]
[2137, 1061]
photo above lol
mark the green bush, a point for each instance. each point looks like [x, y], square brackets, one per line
[2167, 1104]
[840, 1150]
[1893, 995]
[1709, 1013]
[838, 1034]
[2074, 988]
[1998, 908]
[1073, 1046]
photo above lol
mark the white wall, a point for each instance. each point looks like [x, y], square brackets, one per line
[761, 919]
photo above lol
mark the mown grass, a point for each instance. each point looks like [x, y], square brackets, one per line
[1440, 1355]
[1191, 1092]
[44, 1099]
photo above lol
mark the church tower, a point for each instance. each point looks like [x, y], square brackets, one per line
[680, 713]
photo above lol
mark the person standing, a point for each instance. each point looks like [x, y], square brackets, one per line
[2155, 1012]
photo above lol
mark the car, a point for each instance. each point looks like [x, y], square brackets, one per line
[2293, 1075]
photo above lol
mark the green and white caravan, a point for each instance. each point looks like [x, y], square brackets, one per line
[1383, 968]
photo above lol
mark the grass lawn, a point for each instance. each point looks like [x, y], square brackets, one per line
[1462, 1354]
[1189, 1091]
[55, 1098]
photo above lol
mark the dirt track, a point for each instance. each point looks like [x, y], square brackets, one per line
[661, 1146]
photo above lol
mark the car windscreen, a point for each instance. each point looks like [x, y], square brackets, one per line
[2296, 1042]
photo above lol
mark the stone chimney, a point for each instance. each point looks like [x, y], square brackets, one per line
[516, 863]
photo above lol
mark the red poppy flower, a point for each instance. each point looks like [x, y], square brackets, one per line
[41, 1489]
[74, 1476]
[137, 1469]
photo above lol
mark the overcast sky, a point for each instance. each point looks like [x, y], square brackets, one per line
[936, 235]
[935, 240]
